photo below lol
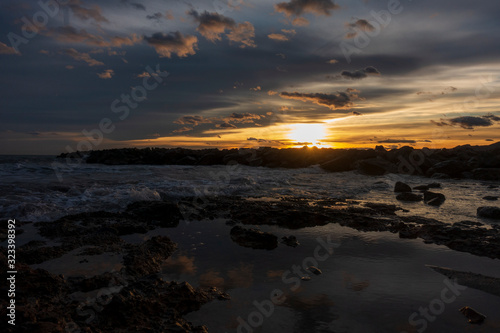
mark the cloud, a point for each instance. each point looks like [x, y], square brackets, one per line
[183, 129]
[397, 141]
[359, 25]
[360, 73]
[192, 120]
[278, 37]
[155, 16]
[272, 92]
[489, 140]
[256, 88]
[107, 74]
[281, 55]
[338, 100]
[300, 21]
[169, 15]
[225, 125]
[332, 61]
[300, 7]
[82, 57]
[356, 113]
[243, 33]
[468, 122]
[5, 49]
[289, 31]
[86, 13]
[220, 122]
[212, 25]
[173, 43]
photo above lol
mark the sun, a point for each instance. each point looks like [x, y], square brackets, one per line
[307, 134]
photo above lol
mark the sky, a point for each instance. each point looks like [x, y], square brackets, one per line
[83, 74]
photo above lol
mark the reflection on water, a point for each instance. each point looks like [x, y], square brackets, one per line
[373, 282]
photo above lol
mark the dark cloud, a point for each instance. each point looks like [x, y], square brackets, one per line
[135, 5]
[192, 120]
[339, 100]
[173, 43]
[220, 122]
[299, 7]
[212, 25]
[361, 24]
[155, 16]
[360, 73]
[468, 122]
[489, 140]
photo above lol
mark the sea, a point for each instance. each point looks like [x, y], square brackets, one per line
[370, 282]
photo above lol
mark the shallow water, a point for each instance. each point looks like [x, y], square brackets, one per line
[30, 190]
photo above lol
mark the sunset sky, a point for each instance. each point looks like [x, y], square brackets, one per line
[241, 73]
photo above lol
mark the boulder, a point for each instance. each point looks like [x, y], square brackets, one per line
[290, 241]
[473, 316]
[489, 212]
[486, 173]
[406, 196]
[254, 238]
[401, 187]
[376, 166]
[490, 198]
[421, 188]
[434, 199]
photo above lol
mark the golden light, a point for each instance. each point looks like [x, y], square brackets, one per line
[312, 133]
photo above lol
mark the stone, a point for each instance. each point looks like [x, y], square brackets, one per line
[254, 238]
[290, 241]
[473, 316]
[315, 270]
[401, 187]
[434, 199]
[490, 198]
[489, 212]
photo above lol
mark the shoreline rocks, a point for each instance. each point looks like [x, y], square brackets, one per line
[476, 162]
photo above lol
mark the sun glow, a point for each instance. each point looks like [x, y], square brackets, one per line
[307, 134]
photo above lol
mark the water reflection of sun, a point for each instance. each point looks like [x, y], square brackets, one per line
[307, 135]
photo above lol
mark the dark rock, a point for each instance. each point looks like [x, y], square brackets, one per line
[254, 238]
[473, 316]
[409, 197]
[345, 162]
[147, 258]
[489, 212]
[434, 199]
[401, 187]
[439, 175]
[290, 241]
[451, 168]
[490, 198]
[421, 188]
[376, 167]
[380, 148]
[434, 185]
[486, 173]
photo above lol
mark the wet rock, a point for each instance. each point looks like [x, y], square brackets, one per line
[383, 209]
[490, 198]
[254, 238]
[306, 278]
[486, 173]
[315, 270]
[473, 316]
[401, 187]
[434, 185]
[290, 241]
[421, 188]
[147, 258]
[489, 212]
[342, 163]
[409, 197]
[434, 199]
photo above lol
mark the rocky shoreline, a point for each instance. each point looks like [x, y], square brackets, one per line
[475, 162]
[135, 298]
